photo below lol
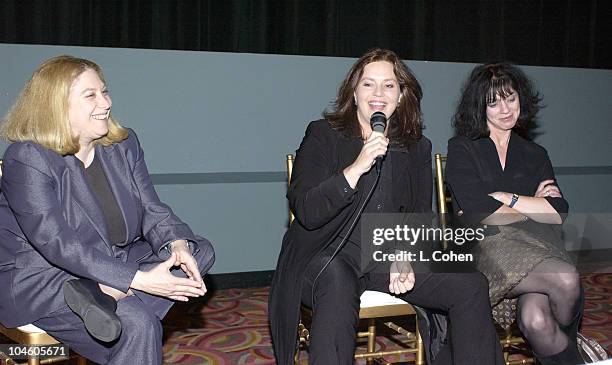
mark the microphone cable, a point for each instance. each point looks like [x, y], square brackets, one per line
[344, 239]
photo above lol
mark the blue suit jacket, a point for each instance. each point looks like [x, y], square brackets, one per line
[52, 228]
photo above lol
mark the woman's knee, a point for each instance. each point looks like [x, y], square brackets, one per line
[536, 320]
[479, 281]
[472, 285]
[463, 294]
[137, 321]
[337, 287]
[558, 278]
[568, 283]
[339, 276]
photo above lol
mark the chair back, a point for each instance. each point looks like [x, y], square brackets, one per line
[290, 159]
[443, 197]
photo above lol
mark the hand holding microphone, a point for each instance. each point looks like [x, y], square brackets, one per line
[378, 122]
[372, 152]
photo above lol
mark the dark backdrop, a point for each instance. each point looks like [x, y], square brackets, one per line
[575, 33]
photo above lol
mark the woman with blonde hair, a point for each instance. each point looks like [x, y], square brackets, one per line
[88, 252]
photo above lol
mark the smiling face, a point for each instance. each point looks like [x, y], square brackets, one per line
[503, 112]
[88, 107]
[377, 90]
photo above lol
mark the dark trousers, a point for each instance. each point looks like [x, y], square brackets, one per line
[141, 330]
[463, 297]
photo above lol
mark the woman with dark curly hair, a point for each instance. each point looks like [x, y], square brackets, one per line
[331, 179]
[503, 180]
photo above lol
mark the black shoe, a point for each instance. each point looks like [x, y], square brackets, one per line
[96, 309]
[571, 355]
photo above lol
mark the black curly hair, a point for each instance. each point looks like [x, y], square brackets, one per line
[482, 87]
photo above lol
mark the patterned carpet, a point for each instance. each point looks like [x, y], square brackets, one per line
[231, 327]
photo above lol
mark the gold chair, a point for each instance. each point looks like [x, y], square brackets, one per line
[374, 305]
[30, 335]
[508, 340]
[442, 198]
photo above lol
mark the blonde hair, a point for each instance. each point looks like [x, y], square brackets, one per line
[40, 113]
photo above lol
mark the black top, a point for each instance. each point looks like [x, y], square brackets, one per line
[98, 183]
[380, 200]
[473, 171]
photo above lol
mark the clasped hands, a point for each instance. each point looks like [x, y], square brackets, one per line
[160, 281]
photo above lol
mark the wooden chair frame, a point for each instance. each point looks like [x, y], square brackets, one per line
[371, 314]
[508, 341]
[31, 335]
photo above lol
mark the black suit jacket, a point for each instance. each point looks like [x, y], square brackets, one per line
[322, 201]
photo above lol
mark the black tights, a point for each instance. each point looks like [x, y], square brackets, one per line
[547, 299]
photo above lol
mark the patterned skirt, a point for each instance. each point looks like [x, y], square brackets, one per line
[505, 259]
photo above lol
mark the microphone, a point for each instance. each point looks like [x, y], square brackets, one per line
[378, 122]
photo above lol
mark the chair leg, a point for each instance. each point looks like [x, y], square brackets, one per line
[420, 355]
[81, 361]
[508, 336]
[371, 339]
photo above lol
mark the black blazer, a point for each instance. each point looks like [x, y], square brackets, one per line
[473, 171]
[322, 201]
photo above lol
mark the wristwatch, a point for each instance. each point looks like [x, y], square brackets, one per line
[514, 200]
[168, 247]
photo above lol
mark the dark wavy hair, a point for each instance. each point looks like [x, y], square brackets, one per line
[406, 122]
[482, 87]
